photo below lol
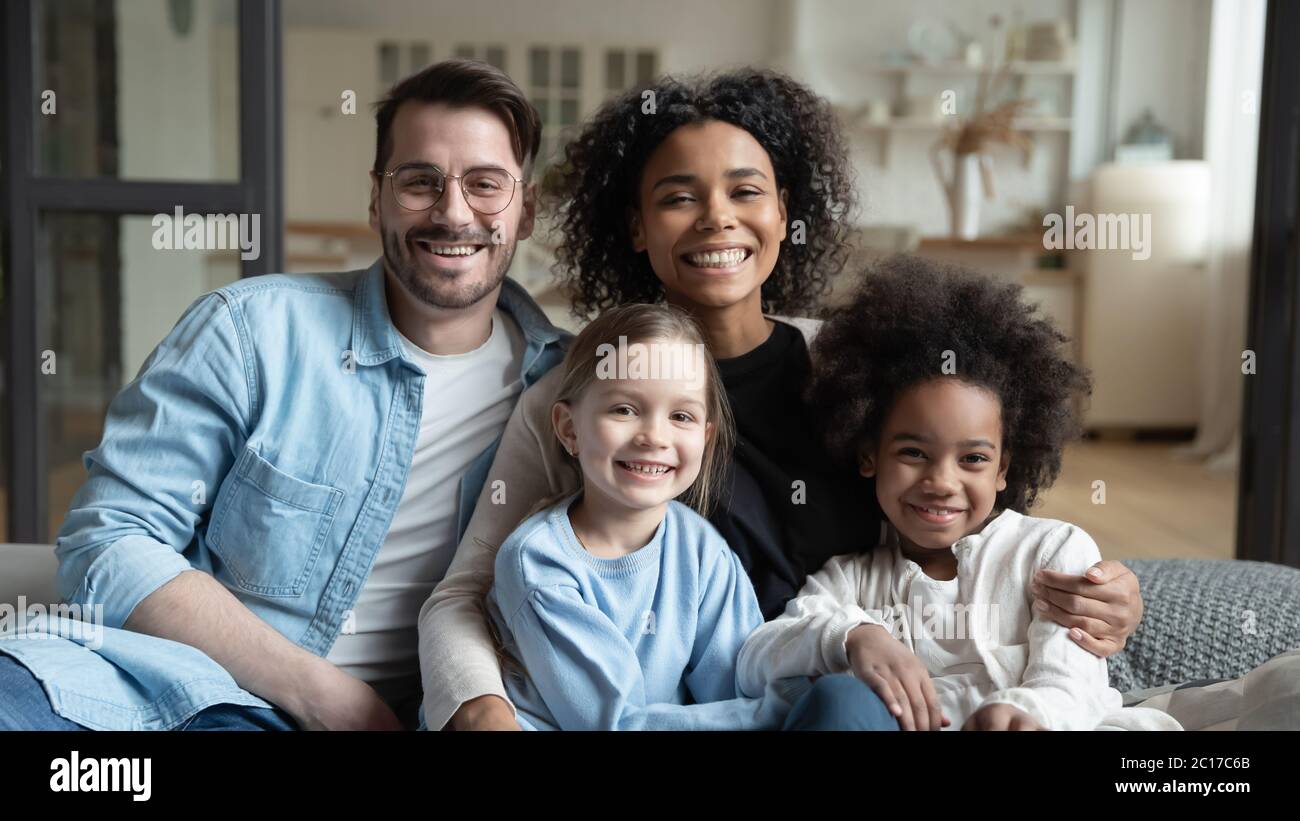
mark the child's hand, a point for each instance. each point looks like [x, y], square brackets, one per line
[1000, 717]
[896, 675]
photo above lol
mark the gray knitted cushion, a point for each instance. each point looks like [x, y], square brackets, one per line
[1207, 620]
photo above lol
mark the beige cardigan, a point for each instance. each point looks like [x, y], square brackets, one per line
[458, 659]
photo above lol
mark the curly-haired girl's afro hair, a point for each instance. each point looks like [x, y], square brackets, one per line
[905, 317]
[600, 177]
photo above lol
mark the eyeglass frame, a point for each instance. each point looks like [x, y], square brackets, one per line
[457, 177]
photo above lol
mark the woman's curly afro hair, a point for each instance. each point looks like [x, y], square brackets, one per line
[599, 180]
[905, 315]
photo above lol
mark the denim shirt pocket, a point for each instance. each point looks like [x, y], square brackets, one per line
[268, 527]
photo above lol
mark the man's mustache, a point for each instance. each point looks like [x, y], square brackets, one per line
[445, 235]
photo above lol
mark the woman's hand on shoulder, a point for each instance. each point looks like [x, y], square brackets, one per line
[1101, 608]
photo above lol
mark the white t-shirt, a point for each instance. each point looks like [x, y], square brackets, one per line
[946, 646]
[467, 400]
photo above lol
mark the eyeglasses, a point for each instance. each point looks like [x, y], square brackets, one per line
[419, 187]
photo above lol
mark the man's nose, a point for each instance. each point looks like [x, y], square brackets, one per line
[452, 209]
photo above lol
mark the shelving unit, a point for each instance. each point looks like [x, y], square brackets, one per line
[854, 113]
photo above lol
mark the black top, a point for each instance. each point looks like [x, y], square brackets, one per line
[783, 531]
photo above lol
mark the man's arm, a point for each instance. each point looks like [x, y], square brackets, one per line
[195, 609]
[170, 437]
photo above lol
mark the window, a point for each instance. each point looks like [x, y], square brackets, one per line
[392, 66]
[555, 87]
[494, 55]
[625, 68]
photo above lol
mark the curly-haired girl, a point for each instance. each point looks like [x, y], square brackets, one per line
[953, 395]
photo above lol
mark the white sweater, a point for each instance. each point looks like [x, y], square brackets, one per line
[1029, 660]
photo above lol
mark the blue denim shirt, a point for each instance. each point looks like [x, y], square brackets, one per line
[265, 441]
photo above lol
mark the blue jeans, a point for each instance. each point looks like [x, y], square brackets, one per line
[24, 706]
[840, 702]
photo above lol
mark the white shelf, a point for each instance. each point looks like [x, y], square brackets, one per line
[1016, 67]
[913, 124]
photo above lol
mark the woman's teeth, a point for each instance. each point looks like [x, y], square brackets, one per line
[718, 259]
[648, 470]
[940, 511]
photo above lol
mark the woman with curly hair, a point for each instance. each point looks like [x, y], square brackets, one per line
[953, 394]
[728, 196]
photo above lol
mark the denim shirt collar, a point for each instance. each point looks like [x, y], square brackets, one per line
[374, 337]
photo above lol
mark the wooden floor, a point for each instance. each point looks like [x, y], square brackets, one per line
[1157, 505]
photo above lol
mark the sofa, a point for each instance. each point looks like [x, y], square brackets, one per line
[1204, 620]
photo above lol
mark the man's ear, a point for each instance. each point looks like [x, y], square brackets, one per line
[867, 460]
[376, 184]
[636, 230]
[528, 217]
[562, 423]
[1003, 466]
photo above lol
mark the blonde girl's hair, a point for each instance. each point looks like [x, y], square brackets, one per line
[650, 323]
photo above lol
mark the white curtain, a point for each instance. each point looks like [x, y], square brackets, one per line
[1231, 144]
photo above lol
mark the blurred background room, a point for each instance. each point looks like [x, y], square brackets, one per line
[970, 123]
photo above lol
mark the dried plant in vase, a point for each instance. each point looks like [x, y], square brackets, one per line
[969, 143]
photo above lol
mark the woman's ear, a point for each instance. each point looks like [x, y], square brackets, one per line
[782, 205]
[562, 422]
[867, 460]
[636, 230]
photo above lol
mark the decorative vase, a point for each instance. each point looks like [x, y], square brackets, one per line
[964, 188]
[966, 197]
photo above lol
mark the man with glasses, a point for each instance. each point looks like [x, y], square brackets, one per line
[286, 480]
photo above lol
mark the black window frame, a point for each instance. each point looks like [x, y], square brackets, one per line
[27, 194]
[1268, 509]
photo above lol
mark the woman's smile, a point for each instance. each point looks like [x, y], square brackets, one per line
[711, 260]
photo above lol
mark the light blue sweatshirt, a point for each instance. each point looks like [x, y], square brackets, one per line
[647, 641]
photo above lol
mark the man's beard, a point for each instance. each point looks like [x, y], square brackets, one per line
[435, 289]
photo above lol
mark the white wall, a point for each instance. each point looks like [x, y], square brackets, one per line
[1160, 57]
[330, 46]
[694, 34]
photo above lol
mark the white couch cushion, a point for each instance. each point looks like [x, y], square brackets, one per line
[27, 570]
